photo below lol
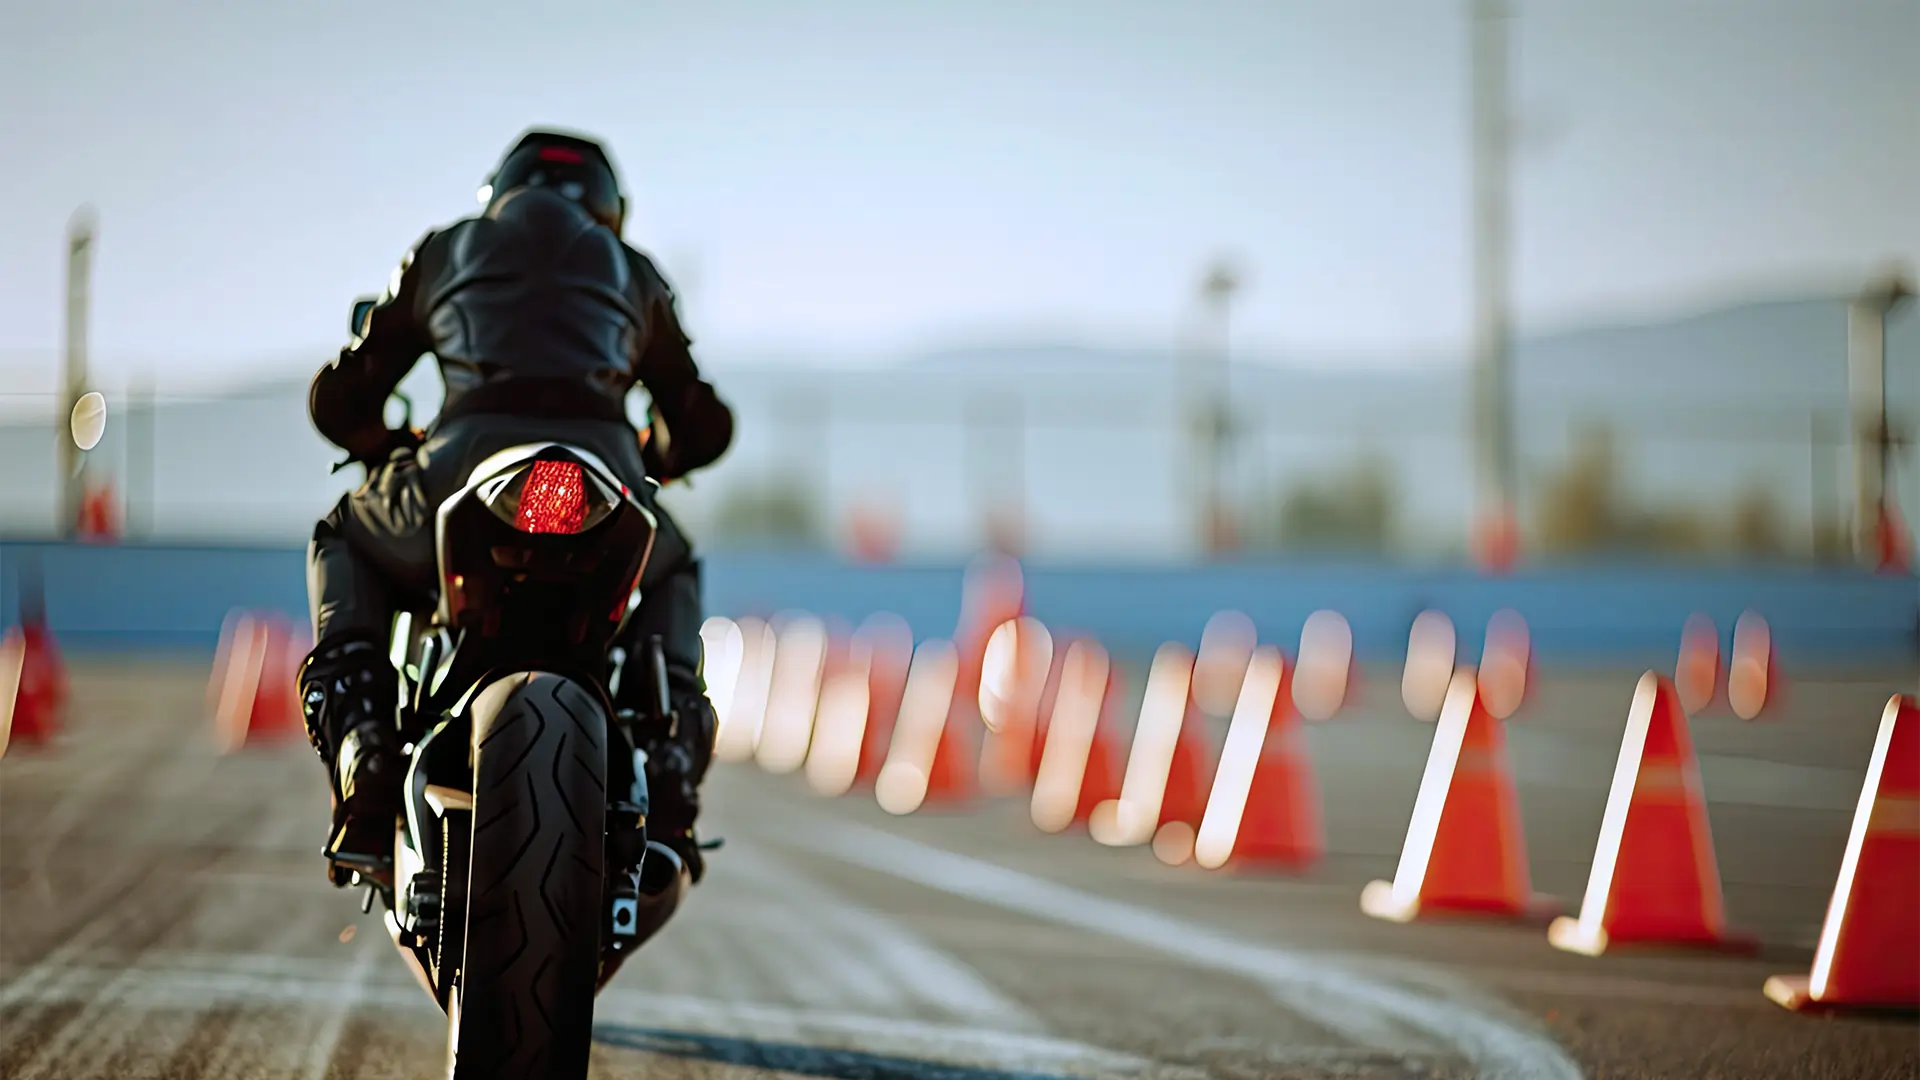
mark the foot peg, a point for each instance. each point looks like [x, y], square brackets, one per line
[353, 850]
[344, 868]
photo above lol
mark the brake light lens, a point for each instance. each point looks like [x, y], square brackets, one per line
[553, 499]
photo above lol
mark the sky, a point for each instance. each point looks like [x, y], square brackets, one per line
[845, 179]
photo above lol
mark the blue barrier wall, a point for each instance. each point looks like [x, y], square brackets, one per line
[148, 597]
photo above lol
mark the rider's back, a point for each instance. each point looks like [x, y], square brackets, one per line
[534, 308]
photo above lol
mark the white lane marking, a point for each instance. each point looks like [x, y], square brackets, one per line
[68, 1050]
[1644, 988]
[304, 984]
[881, 959]
[89, 1042]
[933, 976]
[821, 969]
[326, 1040]
[145, 893]
[50, 973]
[873, 1034]
[266, 966]
[84, 789]
[1496, 1048]
[162, 989]
[811, 966]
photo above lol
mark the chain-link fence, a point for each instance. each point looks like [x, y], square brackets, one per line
[948, 475]
[1066, 464]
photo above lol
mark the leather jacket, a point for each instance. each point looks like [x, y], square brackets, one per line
[532, 309]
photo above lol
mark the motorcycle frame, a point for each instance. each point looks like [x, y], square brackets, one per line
[496, 585]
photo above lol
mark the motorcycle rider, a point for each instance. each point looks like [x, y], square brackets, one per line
[541, 320]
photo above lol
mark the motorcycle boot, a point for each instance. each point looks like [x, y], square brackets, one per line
[665, 708]
[349, 694]
[676, 767]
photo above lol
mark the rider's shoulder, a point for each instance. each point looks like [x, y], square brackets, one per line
[430, 239]
[646, 273]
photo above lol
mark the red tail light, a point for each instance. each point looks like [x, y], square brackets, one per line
[554, 499]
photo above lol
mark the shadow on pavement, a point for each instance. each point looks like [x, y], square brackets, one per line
[799, 1060]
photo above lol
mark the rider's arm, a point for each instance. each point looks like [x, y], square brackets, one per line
[699, 425]
[347, 400]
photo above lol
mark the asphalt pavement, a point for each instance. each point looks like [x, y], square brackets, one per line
[164, 913]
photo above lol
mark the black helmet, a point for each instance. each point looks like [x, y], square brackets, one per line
[576, 167]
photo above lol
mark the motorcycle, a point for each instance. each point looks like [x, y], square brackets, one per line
[522, 875]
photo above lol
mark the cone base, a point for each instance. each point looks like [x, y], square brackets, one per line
[1796, 992]
[1379, 901]
[30, 726]
[1569, 934]
[27, 737]
[947, 804]
[1253, 863]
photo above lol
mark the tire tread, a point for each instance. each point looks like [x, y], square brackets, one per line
[536, 870]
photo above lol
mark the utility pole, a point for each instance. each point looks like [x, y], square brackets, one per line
[1497, 529]
[80, 235]
[995, 431]
[1212, 411]
[142, 418]
[1874, 510]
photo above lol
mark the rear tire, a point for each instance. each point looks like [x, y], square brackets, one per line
[523, 1006]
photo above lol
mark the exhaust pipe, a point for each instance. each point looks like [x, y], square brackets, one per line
[664, 879]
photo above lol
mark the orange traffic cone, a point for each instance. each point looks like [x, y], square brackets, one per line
[889, 645]
[1078, 768]
[294, 642]
[1043, 719]
[1106, 764]
[32, 689]
[1890, 536]
[1754, 682]
[276, 705]
[44, 674]
[992, 594]
[839, 721]
[1654, 877]
[1324, 678]
[1465, 851]
[43, 678]
[1264, 809]
[1869, 951]
[1165, 778]
[1021, 662]
[1696, 676]
[929, 760]
[953, 778]
[12, 658]
[1185, 800]
[45, 670]
[253, 686]
[235, 680]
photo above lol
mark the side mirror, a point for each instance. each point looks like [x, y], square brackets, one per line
[362, 315]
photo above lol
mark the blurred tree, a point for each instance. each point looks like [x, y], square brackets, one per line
[1663, 532]
[779, 512]
[1582, 511]
[1576, 508]
[1754, 528]
[1832, 540]
[1354, 511]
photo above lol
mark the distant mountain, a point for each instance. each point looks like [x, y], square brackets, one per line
[1703, 405]
[1784, 348]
